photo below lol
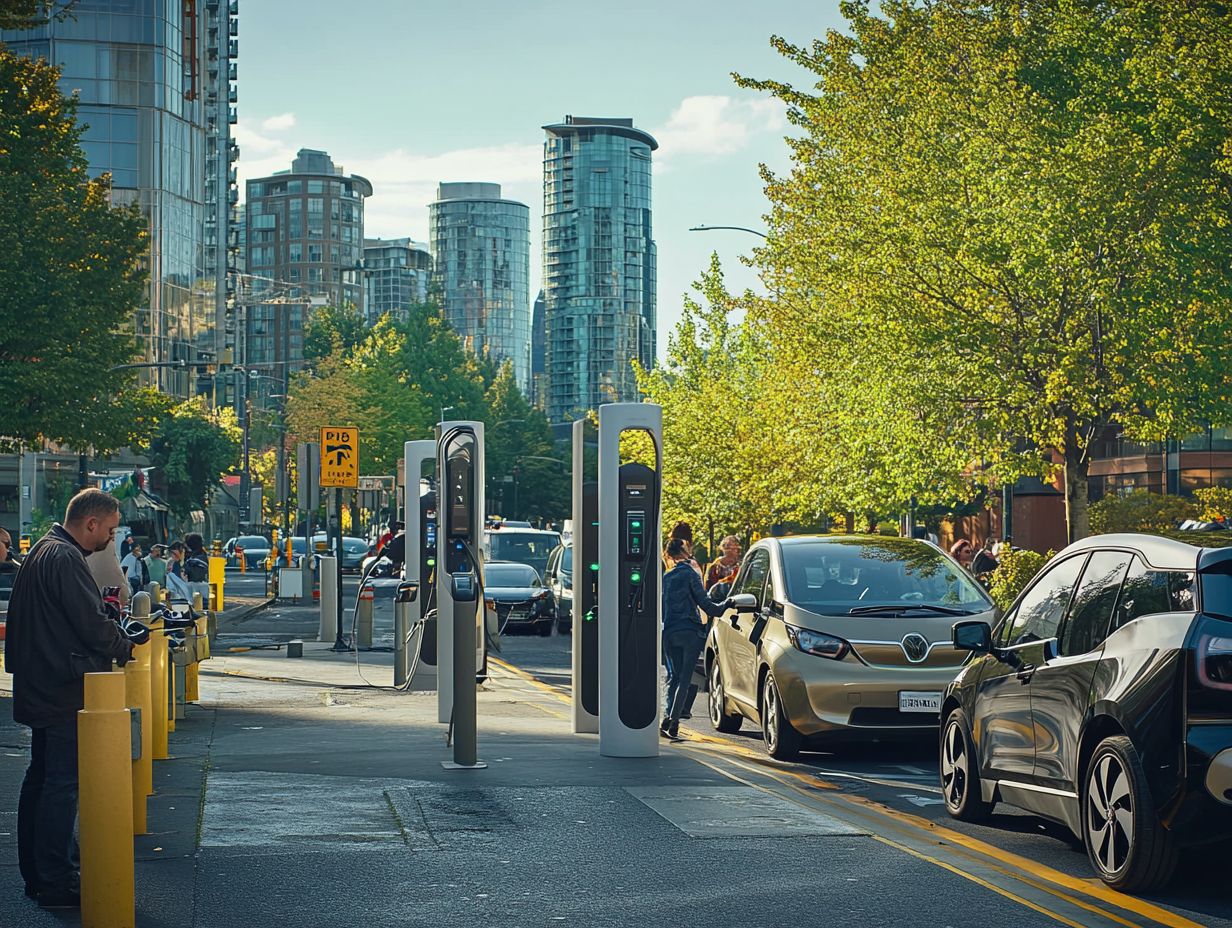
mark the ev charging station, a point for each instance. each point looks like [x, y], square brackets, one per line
[630, 577]
[418, 567]
[585, 643]
[459, 578]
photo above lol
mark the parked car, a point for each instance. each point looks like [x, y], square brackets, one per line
[1103, 701]
[522, 545]
[256, 551]
[354, 550]
[835, 638]
[558, 577]
[519, 597]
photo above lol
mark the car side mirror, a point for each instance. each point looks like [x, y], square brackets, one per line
[975, 636]
[744, 602]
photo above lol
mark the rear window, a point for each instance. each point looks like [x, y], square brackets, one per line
[835, 576]
[251, 541]
[1217, 590]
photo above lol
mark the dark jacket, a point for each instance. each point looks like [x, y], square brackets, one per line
[683, 595]
[57, 632]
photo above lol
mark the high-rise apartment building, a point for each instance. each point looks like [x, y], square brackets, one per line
[481, 270]
[155, 88]
[598, 262]
[397, 272]
[538, 355]
[305, 231]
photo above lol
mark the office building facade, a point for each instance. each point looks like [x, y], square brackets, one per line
[396, 272]
[538, 355]
[481, 271]
[598, 262]
[155, 85]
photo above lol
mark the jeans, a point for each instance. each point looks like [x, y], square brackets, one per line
[680, 651]
[47, 810]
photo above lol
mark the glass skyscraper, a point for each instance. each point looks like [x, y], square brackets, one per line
[598, 262]
[481, 269]
[397, 272]
[153, 80]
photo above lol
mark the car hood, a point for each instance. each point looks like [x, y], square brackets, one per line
[883, 640]
[511, 593]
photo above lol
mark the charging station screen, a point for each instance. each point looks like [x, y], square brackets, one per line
[459, 511]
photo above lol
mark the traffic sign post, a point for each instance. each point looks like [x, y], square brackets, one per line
[340, 470]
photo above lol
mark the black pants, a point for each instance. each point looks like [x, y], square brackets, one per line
[47, 810]
[680, 650]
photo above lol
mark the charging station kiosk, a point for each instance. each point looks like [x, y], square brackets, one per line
[459, 567]
[420, 527]
[585, 643]
[630, 577]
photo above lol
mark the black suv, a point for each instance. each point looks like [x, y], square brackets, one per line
[1103, 700]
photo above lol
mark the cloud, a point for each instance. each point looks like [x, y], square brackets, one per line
[716, 125]
[279, 123]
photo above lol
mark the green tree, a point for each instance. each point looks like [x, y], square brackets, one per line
[193, 448]
[332, 328]
[26, 14]
[70, 275]
[1005, 228]
[527, 477]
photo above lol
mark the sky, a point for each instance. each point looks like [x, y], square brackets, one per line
[410, 93]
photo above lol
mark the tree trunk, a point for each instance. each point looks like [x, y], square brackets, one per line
[1077, 514]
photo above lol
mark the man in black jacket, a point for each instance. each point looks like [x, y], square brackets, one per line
[57, 632]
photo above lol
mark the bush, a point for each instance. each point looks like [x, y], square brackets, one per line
[1140, 511]
[1214, 504]
[1014, 571]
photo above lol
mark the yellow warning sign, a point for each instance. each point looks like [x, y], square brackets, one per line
[339, 457]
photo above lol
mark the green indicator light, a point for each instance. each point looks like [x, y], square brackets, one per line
[635, 577]
[636, 524]
[431, 562]
[594, 566]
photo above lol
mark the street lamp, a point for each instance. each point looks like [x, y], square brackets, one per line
[180, 364]
[728, 228]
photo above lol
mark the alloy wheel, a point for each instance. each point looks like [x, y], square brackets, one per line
[954, 766]
[716, 694]
[770, 714]
[1110, 814]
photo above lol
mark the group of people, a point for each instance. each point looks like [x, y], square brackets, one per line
[175, 567]
[979, 562]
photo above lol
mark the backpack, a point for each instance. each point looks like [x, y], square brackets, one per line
[197, 570]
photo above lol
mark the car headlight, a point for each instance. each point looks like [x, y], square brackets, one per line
[821, 645]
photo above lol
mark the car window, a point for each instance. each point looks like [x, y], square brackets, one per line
[1149, 592]
[1091, 612]
[753, 576]
[510, 575]
[1043, 606]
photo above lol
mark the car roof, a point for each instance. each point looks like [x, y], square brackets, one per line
[521, 531]
[1158, 551]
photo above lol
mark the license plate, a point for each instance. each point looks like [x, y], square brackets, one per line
[919, 702]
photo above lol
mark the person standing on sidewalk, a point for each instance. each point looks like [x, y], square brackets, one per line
[156, 565]
[58, 631]
[684, 632]
[134, 569]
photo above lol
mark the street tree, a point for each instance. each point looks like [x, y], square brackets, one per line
[1008, 224]
[525, 470]
[331, 328]
[192, 449]
[70, 273]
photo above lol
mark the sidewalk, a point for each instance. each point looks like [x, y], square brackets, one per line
[297, 794]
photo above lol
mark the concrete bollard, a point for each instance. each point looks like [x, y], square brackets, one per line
[105, 815]
[363, 616]
[329, 599]
[158, 689]
[139, 699]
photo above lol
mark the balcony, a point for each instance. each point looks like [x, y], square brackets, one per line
[232, 94]
[232, 72]
[233, 26]
[233, 48]
[231, 116]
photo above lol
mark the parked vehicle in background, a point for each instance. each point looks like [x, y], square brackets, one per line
[838, 638]
[519, 598]
[354, 550]
[558, 577]
[256, 551]
[522, 545]
[1103, 701]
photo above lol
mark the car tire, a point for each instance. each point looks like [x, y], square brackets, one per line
[726, 722]
[781, 739]
[1126, 843]
[960, 774]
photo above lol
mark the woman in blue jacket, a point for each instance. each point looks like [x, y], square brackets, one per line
[684, 631]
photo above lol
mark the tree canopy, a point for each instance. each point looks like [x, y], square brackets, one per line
[1005, 228]
[193, 447]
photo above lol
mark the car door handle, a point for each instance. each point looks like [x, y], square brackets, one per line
[1025, 673]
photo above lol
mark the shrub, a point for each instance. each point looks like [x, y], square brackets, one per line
[1214, 504]
[1140, 511]
[1014, 571]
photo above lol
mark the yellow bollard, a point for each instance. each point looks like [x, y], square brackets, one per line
[243, 559]
[105, 813]
[138, 696]
[192, 686]
[158, 689]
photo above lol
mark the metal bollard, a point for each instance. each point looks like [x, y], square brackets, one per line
[465, 736]
[105, 813]
[158, 689]
[363, 616]
[329, 599]
[402, 620]
[139, 700]
[192, 672]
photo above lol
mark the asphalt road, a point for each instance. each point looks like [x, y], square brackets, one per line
[902, 781]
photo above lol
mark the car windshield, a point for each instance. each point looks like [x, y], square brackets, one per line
[566, 561]
[352, 545]
[523, 547]
[835, 577]
[251, 541]
[510, 575]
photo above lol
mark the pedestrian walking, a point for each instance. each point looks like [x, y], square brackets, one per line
[684, 631]
[134, 569]
[58, 631]
[684, 531]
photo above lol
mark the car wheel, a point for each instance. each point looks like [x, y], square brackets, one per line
[960, 775]
[1126, 843]
[782, 740]
[720, 718]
